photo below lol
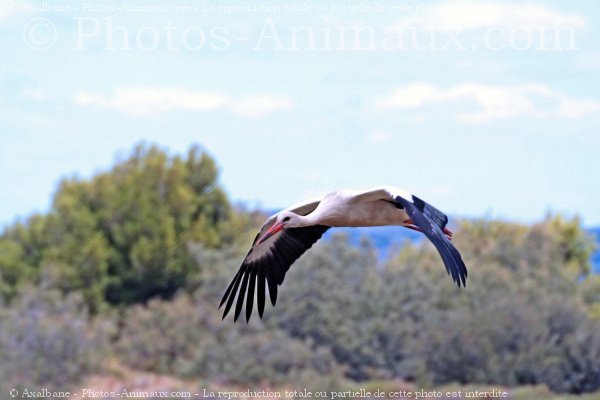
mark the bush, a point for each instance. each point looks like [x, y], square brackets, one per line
[48, 340]
[519, 321]
[187, 338]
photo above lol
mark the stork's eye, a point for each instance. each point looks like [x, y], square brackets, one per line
[286, 219]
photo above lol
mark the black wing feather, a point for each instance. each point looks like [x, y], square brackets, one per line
[250, 297]
[272, 266]
[231, 294]
[272, 283]
[226, 295]
[260, 295]
[438, 217]
[240, 301]
[432, 221]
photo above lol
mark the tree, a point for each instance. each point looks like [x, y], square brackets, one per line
[122, 237]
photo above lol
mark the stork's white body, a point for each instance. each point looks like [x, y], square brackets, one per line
[352, 208]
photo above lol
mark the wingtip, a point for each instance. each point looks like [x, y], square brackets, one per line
[223, 299]
[248, 314]
[461, 281]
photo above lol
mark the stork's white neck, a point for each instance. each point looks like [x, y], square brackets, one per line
[307, 220]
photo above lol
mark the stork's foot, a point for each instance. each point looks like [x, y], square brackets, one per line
[448, 233]
[410, 225]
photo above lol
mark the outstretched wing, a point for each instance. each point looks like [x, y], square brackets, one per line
[429, 220]
[432, 222]
[267, 263]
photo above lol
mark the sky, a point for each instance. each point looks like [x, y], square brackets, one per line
[483, 108]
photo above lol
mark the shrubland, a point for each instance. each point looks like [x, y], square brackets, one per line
[130, 265]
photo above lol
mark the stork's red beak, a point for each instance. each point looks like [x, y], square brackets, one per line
[272, 230]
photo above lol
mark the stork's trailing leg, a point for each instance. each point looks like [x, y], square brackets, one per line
[410, 225]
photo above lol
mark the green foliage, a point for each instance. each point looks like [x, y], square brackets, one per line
[122, 237]
[21, 253]
[556, 251]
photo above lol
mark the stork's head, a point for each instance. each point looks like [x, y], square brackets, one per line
[285, 219]
[288, 219]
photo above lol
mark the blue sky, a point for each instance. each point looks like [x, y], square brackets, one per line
[474, 105]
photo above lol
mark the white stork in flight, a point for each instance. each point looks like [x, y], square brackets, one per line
[285, 236]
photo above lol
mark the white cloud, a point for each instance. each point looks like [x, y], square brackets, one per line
[471, 15]
[256, 107]
[9, 9]
[140, 102]
[493, 102]
[573, 108]
[6, 10]
[379, 137]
